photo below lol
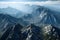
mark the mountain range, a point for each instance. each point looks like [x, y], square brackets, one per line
[12, 11]
[31, 32]
[42, 15]
[28, 27]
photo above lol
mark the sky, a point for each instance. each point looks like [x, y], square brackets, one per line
[20, 5]
[29, 0]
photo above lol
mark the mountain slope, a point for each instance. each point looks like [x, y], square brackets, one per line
[31, 32]
[6, 21]
[42, 15]
[12, 11]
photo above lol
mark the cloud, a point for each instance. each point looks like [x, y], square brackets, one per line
[29, 0]
[21, 5]
[32, 3]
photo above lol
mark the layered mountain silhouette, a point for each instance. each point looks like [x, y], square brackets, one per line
[42, 15]
[31, 26]
[12, 11]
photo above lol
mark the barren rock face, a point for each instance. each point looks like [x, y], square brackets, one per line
[32, 32]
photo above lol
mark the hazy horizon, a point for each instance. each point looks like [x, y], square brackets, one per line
[26, 6]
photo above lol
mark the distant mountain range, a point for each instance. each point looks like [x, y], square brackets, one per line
[42, 15]
[39, 15]
[12, 11]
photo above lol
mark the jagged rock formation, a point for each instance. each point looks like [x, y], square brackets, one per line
[16, 33]
[31, 32]
[51, 32]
